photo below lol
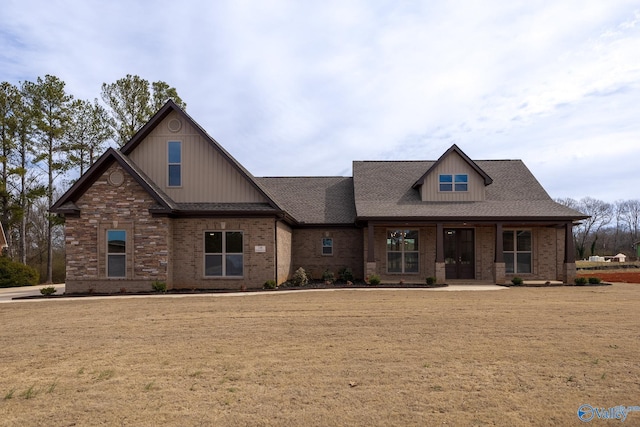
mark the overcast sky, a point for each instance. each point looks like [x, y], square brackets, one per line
[306, 87]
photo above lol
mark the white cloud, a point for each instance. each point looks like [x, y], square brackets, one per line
[305, 87]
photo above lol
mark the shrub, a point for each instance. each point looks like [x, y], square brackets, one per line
[300, 278]
[159, 286]
[580, 281]
[270, 284]
[328, 277]
[345, 274]
[431, 280]
[517, 281]
[374, 280]
[594, 280]
[48, 291]
[16, 274]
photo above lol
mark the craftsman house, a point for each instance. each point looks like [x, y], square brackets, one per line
[172, 205]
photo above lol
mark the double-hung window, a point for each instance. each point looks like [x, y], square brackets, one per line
[174, 156]
[517, 251]
[402, 251]
[327, 246]
[116, 253]
[223, 254]
[450, 182]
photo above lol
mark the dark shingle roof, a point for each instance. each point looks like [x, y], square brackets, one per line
[383, 189]
[314, 200]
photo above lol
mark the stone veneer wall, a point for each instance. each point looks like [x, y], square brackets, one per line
[188, 252]
[105, 206]
[306, 251]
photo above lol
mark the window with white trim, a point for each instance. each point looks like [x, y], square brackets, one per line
[327, 246]
[453, 183]
[517, 251]
[223, 254]
[402, 251]
[174, 161]
[116, 253]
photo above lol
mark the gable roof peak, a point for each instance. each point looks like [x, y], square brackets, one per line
[454, 148]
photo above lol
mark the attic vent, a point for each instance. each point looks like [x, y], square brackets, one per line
[174, 125]
[116, 178]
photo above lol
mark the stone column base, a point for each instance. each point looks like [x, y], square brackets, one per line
[441, 276]
[369, 269]
[499, 273]
[569, 273]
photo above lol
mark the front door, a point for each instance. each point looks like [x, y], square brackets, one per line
[459, 253]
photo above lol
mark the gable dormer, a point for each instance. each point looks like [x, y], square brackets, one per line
[454, 177]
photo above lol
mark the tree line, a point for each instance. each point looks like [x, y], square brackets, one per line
[612, 228]
[48, 135]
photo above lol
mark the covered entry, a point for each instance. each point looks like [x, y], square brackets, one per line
[459, 253]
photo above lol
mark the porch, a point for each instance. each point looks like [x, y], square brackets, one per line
[469, 252]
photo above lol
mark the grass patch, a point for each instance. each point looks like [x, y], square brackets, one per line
[323, 358]
[30, 393]
[9, 394]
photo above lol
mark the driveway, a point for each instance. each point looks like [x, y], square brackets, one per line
[6, 294]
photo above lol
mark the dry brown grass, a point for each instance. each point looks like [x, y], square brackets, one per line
[523, 356]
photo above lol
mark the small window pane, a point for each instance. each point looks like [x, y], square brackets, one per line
[508, 263]
[116, 266]
[116, 241]
[507, 241]
[175, 180]
[411, 262]
[461, 178]
[213, 265]
[524, 263]
[394, 240]
[234, 242]
[411, 240]
[213, 242]
[461, 187]
[446, 178]
[394, 262]
[175, 155]
[446, 187]
[524, 241]
[233, 265]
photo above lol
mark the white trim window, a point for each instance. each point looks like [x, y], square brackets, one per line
[517, 246]
[223, 254]
[116, 253]
[327, 246]
[453, 183]
[402, 251]
[174, 162]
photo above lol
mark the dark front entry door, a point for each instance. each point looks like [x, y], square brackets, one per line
[459, 253]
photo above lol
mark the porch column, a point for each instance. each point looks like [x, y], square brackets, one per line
[499, 269]
[569, 254]
[441, 276]
[370, 267]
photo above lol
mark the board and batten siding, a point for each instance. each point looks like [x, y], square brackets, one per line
[453, 164]
[207, 176]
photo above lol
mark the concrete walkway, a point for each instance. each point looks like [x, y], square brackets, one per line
[6, 294]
